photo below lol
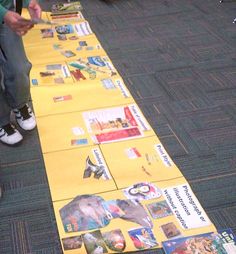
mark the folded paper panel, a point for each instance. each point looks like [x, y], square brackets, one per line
[74, 171]
[79, 97]
[56, 32]
[56, 73]
[144, 224]
[68, 47]
[139, 160]
[113, 124]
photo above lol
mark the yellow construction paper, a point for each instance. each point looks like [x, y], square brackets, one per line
[57, 131]
[55, 33]
[56, 73]
[72, 48]
[66, 169]
[49, 100]
[89, 68]
[96, 141]
[38, 36]
[93, 67]
[125, 226]
[139, 160]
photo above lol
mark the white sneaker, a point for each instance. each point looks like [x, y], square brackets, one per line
[10, 135]
[25, 118]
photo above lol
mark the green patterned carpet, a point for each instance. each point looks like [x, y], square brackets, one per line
[178, 60]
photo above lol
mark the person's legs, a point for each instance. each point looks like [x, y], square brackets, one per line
[15, 86]
[15, 69]
[5, 109]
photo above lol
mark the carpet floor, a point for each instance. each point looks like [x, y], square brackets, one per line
[178, 59]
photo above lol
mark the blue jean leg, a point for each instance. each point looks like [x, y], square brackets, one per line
[14, 70]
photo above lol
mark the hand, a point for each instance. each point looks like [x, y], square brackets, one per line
[18, 24]
[34, 10]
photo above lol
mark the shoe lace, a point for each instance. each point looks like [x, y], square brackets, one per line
[9, 129]
[25, 112]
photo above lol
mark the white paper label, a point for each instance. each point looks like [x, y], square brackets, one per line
[77, 131]
[101, 163]
[65, 71]
[139, 118]
[132, 153]
[122, 88]
[186, 207]
[163, 155]
[83, 29]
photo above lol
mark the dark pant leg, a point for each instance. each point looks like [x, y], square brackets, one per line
[15, 68]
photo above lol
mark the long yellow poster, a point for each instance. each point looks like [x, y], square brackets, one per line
[113, 185]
